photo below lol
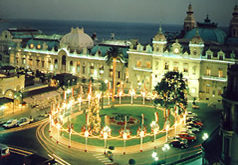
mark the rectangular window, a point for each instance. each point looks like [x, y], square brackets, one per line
[118, 74]
[208, 72]
[220, 73]
[138, 64]
[185, 68]
[209, 56]
[219, 92]
[176, 68]
[207, 89]
[221, 57]
[83, 70]
[110, 72]
[148, 64]
[166, 66]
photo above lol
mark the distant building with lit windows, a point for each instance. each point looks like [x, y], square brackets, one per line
[202, 52]
[73, 53]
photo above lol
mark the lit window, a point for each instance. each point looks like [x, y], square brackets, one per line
[31, 46]
[138, 64]
[38, 46]
[220, 73]
[148, 64]
[92, 69]
[208, 72]
[176, 67]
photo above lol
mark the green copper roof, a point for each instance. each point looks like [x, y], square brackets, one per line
[208, 34]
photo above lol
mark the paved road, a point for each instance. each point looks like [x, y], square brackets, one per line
[26, 139]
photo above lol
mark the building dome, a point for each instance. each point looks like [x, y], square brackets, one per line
[208, 34]
[76, 40]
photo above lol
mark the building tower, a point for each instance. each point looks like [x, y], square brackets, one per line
[159, 41]
[189, 21]
[196, 45]
[229, 122]
[234, 23]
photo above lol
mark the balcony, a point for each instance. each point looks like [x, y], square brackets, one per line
[214, 78]
[143, 69]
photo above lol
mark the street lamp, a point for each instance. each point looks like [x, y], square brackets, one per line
[155, 128]
[143, 95]
[89, 98]
[58, 126]
[155, 156]
[80, 103]
[175, 126]
[86, 134]
[120, 93]
[205, 136]
[165, 148]
[106, 131]
[167, 129]
[124, 138]
[132, 92]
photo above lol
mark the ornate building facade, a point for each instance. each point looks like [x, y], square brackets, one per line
[202, 53]
[66, 54]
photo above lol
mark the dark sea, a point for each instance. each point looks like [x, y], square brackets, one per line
[144, 32]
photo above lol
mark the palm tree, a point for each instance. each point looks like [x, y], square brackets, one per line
[102, 88]
[114, 54]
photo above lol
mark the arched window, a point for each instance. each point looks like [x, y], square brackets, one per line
[78, 67]
[56, 63]
[91, 68]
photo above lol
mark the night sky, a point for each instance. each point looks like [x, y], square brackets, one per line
[148, 11]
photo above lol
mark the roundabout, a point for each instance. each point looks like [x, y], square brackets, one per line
[114, 118]
[83, 121]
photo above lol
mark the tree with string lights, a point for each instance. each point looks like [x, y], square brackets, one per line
[172, 93]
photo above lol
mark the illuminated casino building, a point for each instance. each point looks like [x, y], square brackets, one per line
[202, 52]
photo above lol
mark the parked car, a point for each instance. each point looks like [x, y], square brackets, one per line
[191, 118]
[194, 106]
[192, 114]
[23, 121]
[198, 123]
[194, 125]
[10, 123]
[189, 137]
[193, 129]
[178, 144]
[4, 151]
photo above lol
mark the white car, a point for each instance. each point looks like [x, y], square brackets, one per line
[10, 123]
[23, 121]
[193, 129]
[191, 114]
